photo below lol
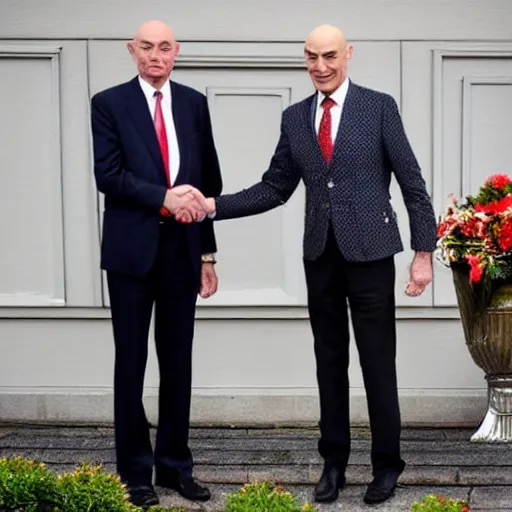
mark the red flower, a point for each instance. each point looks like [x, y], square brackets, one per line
[476, 269]
[473, 228]
[443, 227]
[499, 181]
[505, 236]
[465, 508]
[495, 206]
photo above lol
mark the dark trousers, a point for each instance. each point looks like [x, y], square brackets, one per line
[171, 286]
[369, 289]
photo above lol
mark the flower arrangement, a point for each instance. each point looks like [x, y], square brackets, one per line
[478, 232]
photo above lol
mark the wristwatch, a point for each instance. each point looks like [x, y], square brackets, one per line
[208, 258]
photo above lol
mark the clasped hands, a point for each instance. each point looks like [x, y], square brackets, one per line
[188, 204]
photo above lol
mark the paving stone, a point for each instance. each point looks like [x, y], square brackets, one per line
[39, 442]
[64, 456]
[430, 475]
[459, 434]
[423, 434]
[5, 431]
[247, 443]
[57, 431]
[222, 474]
[490, 475]
[491, 498]
[283, 474]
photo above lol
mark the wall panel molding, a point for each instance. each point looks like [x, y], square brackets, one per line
[57, 297]
[468, 83]
[439, 55]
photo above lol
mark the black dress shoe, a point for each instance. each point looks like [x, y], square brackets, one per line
[382, 487]
[186, 486]
[142, 495]
[329, 485]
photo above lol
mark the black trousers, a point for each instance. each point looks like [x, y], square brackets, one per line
[171, 286]
[369, 289]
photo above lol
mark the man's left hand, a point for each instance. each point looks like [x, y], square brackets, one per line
[421, 274]
[209, 280]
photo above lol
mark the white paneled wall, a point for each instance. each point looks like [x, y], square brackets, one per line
[448, 64]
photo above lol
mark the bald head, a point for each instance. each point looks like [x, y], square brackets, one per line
[327, 54]
[326, 34]
[154, 50]
[154, 29]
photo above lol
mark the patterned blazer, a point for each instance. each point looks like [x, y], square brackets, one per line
[352, 191]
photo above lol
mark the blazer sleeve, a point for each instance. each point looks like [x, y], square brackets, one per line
[111, 178]
[275, 188]
[422, 218]
[211, 179]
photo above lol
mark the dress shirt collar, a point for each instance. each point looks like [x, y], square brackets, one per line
[149, 90]
[338, 95]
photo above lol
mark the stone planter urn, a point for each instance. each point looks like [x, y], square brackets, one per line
[486, 315]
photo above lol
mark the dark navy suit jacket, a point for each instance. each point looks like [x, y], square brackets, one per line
[352, 191]
[129, 170]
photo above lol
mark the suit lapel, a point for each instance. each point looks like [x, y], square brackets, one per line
[312, 135]
[181, 116]
[138, 109]
[348, 114]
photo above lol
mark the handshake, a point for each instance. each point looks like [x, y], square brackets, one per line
[188, 204]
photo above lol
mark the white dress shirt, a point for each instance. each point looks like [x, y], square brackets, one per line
[172, 140]
[339, 96]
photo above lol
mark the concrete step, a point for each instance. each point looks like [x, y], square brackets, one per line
[438, 460]
[489, 499]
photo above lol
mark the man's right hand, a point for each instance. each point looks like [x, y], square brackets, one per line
[186, 203]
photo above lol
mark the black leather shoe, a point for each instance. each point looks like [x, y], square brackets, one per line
[186, 486]
[382, 487]
[329, 485]
[143, 496]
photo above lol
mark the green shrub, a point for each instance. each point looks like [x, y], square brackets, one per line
[264, 497]
[436, 503]
[162, 509]
[88, 489]
[27, 486]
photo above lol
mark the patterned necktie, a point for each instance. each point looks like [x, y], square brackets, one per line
[324, 133]
[161, 135]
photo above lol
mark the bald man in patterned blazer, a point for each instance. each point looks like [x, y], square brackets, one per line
[344, 142]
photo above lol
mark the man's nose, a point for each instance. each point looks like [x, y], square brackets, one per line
[320, 65]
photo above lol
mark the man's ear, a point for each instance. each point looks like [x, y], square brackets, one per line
[177, 49]
[131, 47]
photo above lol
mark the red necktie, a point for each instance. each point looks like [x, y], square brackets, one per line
[324, 133]
[161, 135]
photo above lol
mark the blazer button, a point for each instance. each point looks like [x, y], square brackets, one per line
[330, 184]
